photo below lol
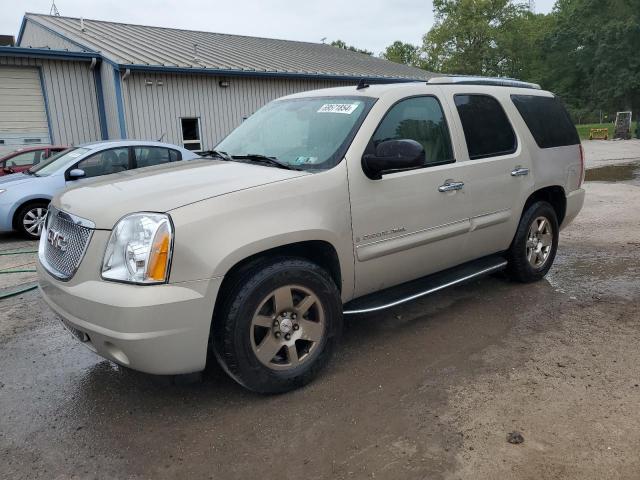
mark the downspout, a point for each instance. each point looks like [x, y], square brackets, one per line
[102, 114]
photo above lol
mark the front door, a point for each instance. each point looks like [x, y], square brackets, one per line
[411, 223]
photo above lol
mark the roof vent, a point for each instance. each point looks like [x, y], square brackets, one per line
[82, 24]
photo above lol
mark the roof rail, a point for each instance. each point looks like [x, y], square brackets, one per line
[468, 80]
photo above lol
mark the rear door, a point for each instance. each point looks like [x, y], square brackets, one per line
[497, 165]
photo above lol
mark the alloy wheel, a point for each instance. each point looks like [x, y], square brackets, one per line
[287, 328]
[33, 221]
[539, 242]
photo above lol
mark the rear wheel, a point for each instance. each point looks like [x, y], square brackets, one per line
[30, 219]
[277, 325]
[535, 244]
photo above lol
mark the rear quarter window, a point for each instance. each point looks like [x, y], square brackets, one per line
[547, 120]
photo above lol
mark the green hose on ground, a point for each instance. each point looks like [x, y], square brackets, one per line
[28, 288]
[18, 292]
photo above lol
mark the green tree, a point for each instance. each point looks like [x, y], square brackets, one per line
[592, 54]
[343, 45]
[467, 35]
[406, 53]
[520, 50]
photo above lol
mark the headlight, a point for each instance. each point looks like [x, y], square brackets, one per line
[139, 249]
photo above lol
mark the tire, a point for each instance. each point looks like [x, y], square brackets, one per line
[263, 337]
[29, 219]
[530, 258]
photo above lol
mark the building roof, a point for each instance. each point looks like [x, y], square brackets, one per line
[139, 45]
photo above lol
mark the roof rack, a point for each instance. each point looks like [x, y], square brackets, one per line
[468, 80]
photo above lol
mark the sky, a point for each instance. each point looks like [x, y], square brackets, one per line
[371, 24]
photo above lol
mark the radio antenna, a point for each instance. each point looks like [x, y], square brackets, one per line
[54, 10]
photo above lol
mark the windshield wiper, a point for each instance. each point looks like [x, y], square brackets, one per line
[272, 161]
[218, 154]
[29, 172]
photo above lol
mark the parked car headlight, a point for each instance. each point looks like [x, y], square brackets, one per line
[139, 249]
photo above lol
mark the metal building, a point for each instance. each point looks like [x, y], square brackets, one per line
[70, 80]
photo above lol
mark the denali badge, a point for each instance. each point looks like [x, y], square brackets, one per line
[57, 240]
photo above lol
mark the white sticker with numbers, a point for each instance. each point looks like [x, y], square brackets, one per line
[347, 108]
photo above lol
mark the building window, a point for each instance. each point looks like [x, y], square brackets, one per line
[191, 133]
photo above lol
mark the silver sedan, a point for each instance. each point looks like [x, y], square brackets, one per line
[24, 197]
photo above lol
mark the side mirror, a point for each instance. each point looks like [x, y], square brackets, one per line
[76, 173]
[8, 170]
[393, 156]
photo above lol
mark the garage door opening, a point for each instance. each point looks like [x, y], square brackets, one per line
[23, 115]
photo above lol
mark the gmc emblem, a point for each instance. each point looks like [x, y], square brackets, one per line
[57, 240]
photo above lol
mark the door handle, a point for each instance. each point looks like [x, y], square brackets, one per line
[519, 172]
[450, 186]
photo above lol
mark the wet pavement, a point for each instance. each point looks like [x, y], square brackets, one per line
[428, 390]
[624, 172]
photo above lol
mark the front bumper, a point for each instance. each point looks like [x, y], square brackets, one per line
[158, 329]
[575, 201]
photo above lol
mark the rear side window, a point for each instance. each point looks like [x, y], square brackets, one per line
[486, 127]
[420, 119]
[148, 156]
[547, 120]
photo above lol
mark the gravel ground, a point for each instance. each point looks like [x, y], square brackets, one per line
[429, 390]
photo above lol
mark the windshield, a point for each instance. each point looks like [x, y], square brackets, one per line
[53, 163]
[306, 133]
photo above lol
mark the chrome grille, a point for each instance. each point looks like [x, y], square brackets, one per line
[63, 243]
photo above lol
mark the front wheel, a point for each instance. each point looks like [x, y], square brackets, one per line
[30, 219]
[277, 324]
[535, 243]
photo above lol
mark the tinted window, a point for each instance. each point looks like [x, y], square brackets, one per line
[486, 127]
[175, 155]
[420, 119]
[547, 120]
[148, 156]
[105, 162]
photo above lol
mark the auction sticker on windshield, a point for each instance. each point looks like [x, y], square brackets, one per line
[346, 108]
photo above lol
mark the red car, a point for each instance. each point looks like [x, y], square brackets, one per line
[25, 158]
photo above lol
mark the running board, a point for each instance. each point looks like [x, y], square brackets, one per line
[406, 292]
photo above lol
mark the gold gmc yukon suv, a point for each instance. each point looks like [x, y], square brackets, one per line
[321, 204]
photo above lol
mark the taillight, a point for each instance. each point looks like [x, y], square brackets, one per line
[582, 172]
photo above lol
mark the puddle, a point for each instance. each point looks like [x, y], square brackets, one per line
[629, 172]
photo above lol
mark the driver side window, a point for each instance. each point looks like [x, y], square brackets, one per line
[420, 119]
[105, 162]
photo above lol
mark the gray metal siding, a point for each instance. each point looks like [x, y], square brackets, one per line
[154, 110]
[70, 93]
[36, 36]
[110, 105]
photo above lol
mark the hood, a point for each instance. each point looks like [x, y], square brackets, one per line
[15, 179]
[162, 188]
